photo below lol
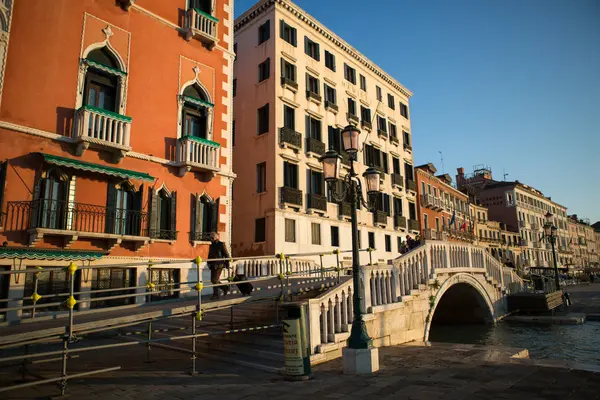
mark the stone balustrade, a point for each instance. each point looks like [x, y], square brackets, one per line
[101, 128]
[194, 153]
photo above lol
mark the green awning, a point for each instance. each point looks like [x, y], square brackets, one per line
[49, 254]
[105, 68]
[97, 168]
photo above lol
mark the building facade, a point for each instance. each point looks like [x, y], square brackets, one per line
[444, 211]
[583, 243]
[297, 85]
[117, 146]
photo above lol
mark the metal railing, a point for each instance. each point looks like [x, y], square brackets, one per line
[366, 124]
[317, 202]
[315, 146]
[345, 209]
[413, 225]
[331, 105]
[290, 137]
[291, 196]
[312, 95]
[71, 216]
[164, 234]
[352, 118]
[380, 217]
[399, 221]
[411, 185]
[397, 179]
[289, 82]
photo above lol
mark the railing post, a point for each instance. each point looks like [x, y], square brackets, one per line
[369, 289]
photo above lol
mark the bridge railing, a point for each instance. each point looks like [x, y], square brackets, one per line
[380, 286]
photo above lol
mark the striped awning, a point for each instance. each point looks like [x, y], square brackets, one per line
[97, 168]
[26, 253]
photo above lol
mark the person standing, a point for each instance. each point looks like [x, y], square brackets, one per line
[217, 250]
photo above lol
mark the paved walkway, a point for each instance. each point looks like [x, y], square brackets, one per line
[585, 298]
[439, 371]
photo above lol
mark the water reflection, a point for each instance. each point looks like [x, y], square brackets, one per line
[579, 343]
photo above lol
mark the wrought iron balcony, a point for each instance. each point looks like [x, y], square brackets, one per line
[289, 83]
[366, 124]
[200, 236]
[397, 180]
[413, 225]
[345, 209]
[345, 158]
[382, 133]
[201, 26]
[522, 224]
[411, 185]
[535, 226]
[407, 147]
[198, 154]
[394, 140]
[399, 221]
[427, 200]
[380, 217]
[352, 118]
[290, 138]
[331, 106]
[317, 202]
[163, 234]
[313, 96]
[291, 196]
[315, 146]
[104, 129]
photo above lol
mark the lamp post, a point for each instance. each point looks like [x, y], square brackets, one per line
[359, 338]
[550, 235]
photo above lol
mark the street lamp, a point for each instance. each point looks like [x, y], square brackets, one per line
[359, 338]
[550, 235]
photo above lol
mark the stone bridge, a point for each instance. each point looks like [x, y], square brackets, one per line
[436, 283]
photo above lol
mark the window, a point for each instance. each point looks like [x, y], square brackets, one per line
[378, 93]
[372, 240]
[350, 74]
[398, 206]
[194, 116]
[334, 136]
[289, 117]
[330, 95]
[388, 243]
[437, 224]
[101, 87]
[205, 215]
[395, 165]
[393, 131]
[264, 70]
[290, 175]
[261, 177]
[264, 32]
[288, 70]
[263, 119]
[51, 209]
[312, 84]
[382, 203]
[163, 215]
[330, 60]
[260, 230]
[315, 230]
[381, 125]
[290, 230]
[123, 204]
[316, 183]
[234, 89]
[312, 49]
[365, 114]
[412, 211]
[404, 110]
[203, 5]
[376, 158]
[409, 172]
[112, 278]
[351, 106]
[167, 282]
[288, 33]
[363, 83]
[399, 244]
[335, 236]
[391, 102]
[50, 283]
[313, 128]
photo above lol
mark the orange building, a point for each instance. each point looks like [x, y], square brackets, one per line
[444, 212]
[115, 130]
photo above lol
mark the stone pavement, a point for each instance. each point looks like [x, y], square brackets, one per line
[585, 298]
[439, 371]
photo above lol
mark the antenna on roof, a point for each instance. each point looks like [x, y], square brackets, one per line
[442, 159]
[504, 174]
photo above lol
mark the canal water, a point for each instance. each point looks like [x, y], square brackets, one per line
[577, 343]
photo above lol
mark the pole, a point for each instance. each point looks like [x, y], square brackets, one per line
[359, 338]
[556, 279]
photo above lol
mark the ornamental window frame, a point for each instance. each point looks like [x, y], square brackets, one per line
[185, 101]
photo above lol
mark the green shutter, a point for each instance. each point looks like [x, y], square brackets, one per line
[197, 213]
[111, 202]
[153, 212]
[214, 221]
[173, 215]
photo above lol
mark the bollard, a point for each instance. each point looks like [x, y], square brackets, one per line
[295, 344]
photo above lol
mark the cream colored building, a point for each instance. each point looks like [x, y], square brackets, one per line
[297, 84]
[583, 243]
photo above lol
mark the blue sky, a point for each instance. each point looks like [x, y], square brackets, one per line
[511, 84]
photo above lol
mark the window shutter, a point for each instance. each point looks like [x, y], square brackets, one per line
[111, 202]
[283, 68]
[214, 218]
[318, 48]
[294, 42]
[174, 211]
[281, 28]
[268, 29]
[307, 124]
[385, 162]
[37, 196]
[154, 215]
[305, 45]
[198, 210]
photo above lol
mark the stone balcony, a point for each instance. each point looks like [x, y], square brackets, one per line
[413, 225]
[399, 222]
[411, 185]
[201, 26]
[397, 180]
[197, 154]
[315, 146]
[102, 129]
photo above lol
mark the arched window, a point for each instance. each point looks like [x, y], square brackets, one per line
[202, 5]
[196, 111]
[102, 80]
[206, 217]
[163, 215]
[51, 206]
[124, 204]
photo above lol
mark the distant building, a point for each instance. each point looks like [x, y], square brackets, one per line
[583, 241]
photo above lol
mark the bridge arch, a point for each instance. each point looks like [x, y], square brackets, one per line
[461, 295]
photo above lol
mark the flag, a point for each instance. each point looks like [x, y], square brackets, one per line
[464, 225]
[453, 219]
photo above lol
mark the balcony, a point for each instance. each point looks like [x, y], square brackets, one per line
[548, 246]
[366, 124]
[379, 217]
[399, 222]
[197, 154]
[289, 83]
[313, 96]
[537, 244]
[290, 138]
[315, 146]
[430, 234]
[524, 242]
[345, 158]
[522, 224]
[317, 202]
[427, 200]
[291, 196]
[407, 147]
[397, 180]
[413, 225]
[103, 129]
[345, 209]
[353, 119]
[411, 185]
[394, 140]
[73, 221]
[201, 26]
[331, 106]
[535, 226]
[438, 203]
[382, 133]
